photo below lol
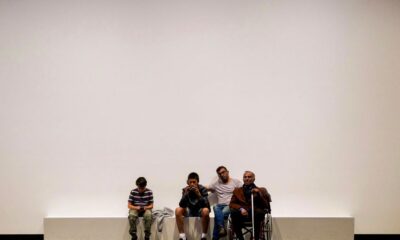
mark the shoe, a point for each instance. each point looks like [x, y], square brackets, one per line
[222, 232]
[134, 237]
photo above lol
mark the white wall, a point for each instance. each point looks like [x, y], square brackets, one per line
[94, 94]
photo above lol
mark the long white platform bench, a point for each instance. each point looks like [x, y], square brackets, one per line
[116, 228]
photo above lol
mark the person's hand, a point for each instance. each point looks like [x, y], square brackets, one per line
[197, 191]
[186, 190]
[137, 208]
[244, 212]
[255, 191]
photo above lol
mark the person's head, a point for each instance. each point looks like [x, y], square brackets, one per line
[141, 184]
[223, 173]
[248, 177]
[193, 179]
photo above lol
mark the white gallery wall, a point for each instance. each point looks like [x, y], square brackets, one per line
[94, 94]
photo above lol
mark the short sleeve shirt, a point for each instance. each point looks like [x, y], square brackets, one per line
[224, 190]
[141, 199]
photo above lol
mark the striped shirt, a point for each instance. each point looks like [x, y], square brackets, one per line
[141, 199]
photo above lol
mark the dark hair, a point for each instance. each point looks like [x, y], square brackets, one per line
[141, 182]
[221, 167]
[194, 175]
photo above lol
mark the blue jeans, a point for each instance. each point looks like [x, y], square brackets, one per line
[221, 212]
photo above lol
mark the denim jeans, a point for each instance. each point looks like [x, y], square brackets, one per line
[221, 212]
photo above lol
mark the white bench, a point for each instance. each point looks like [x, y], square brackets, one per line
[116, 228]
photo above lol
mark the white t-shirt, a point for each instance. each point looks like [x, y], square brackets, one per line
[224, 190]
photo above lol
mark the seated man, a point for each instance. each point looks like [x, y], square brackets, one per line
[194, 203]
[140, 204]
[223, 187]
[240, 205]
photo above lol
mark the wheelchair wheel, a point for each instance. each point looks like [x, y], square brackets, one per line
[268, 227]
[229, 229]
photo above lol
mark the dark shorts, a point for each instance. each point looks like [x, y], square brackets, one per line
[193, 212]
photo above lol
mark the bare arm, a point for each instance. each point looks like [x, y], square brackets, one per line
[149, 207]
[210, 189]
[133, 207]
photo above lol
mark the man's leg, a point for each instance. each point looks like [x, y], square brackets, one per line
[205, 221]
[218, 218]
[237, 223]
[221, 212]
[259, 216]
[147, 217]
[179, 217]
[133, 215]
[225, 211]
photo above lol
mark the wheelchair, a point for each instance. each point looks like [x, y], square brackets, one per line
[247, 230]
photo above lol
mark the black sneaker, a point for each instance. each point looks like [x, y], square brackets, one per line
[222, 232]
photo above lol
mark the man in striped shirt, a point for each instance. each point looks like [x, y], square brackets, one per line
[140, 204]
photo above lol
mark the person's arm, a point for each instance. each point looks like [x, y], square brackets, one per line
[183, 203]
[133, 207]
[204, 197]
[149, 207]
[211, 187]
[264, 197]
[238, 183]
[235, 203]
[150, 203]
[261, 195]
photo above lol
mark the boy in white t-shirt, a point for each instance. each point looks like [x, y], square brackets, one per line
[223, 187]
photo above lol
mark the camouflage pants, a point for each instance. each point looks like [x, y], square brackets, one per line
[147, 218]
